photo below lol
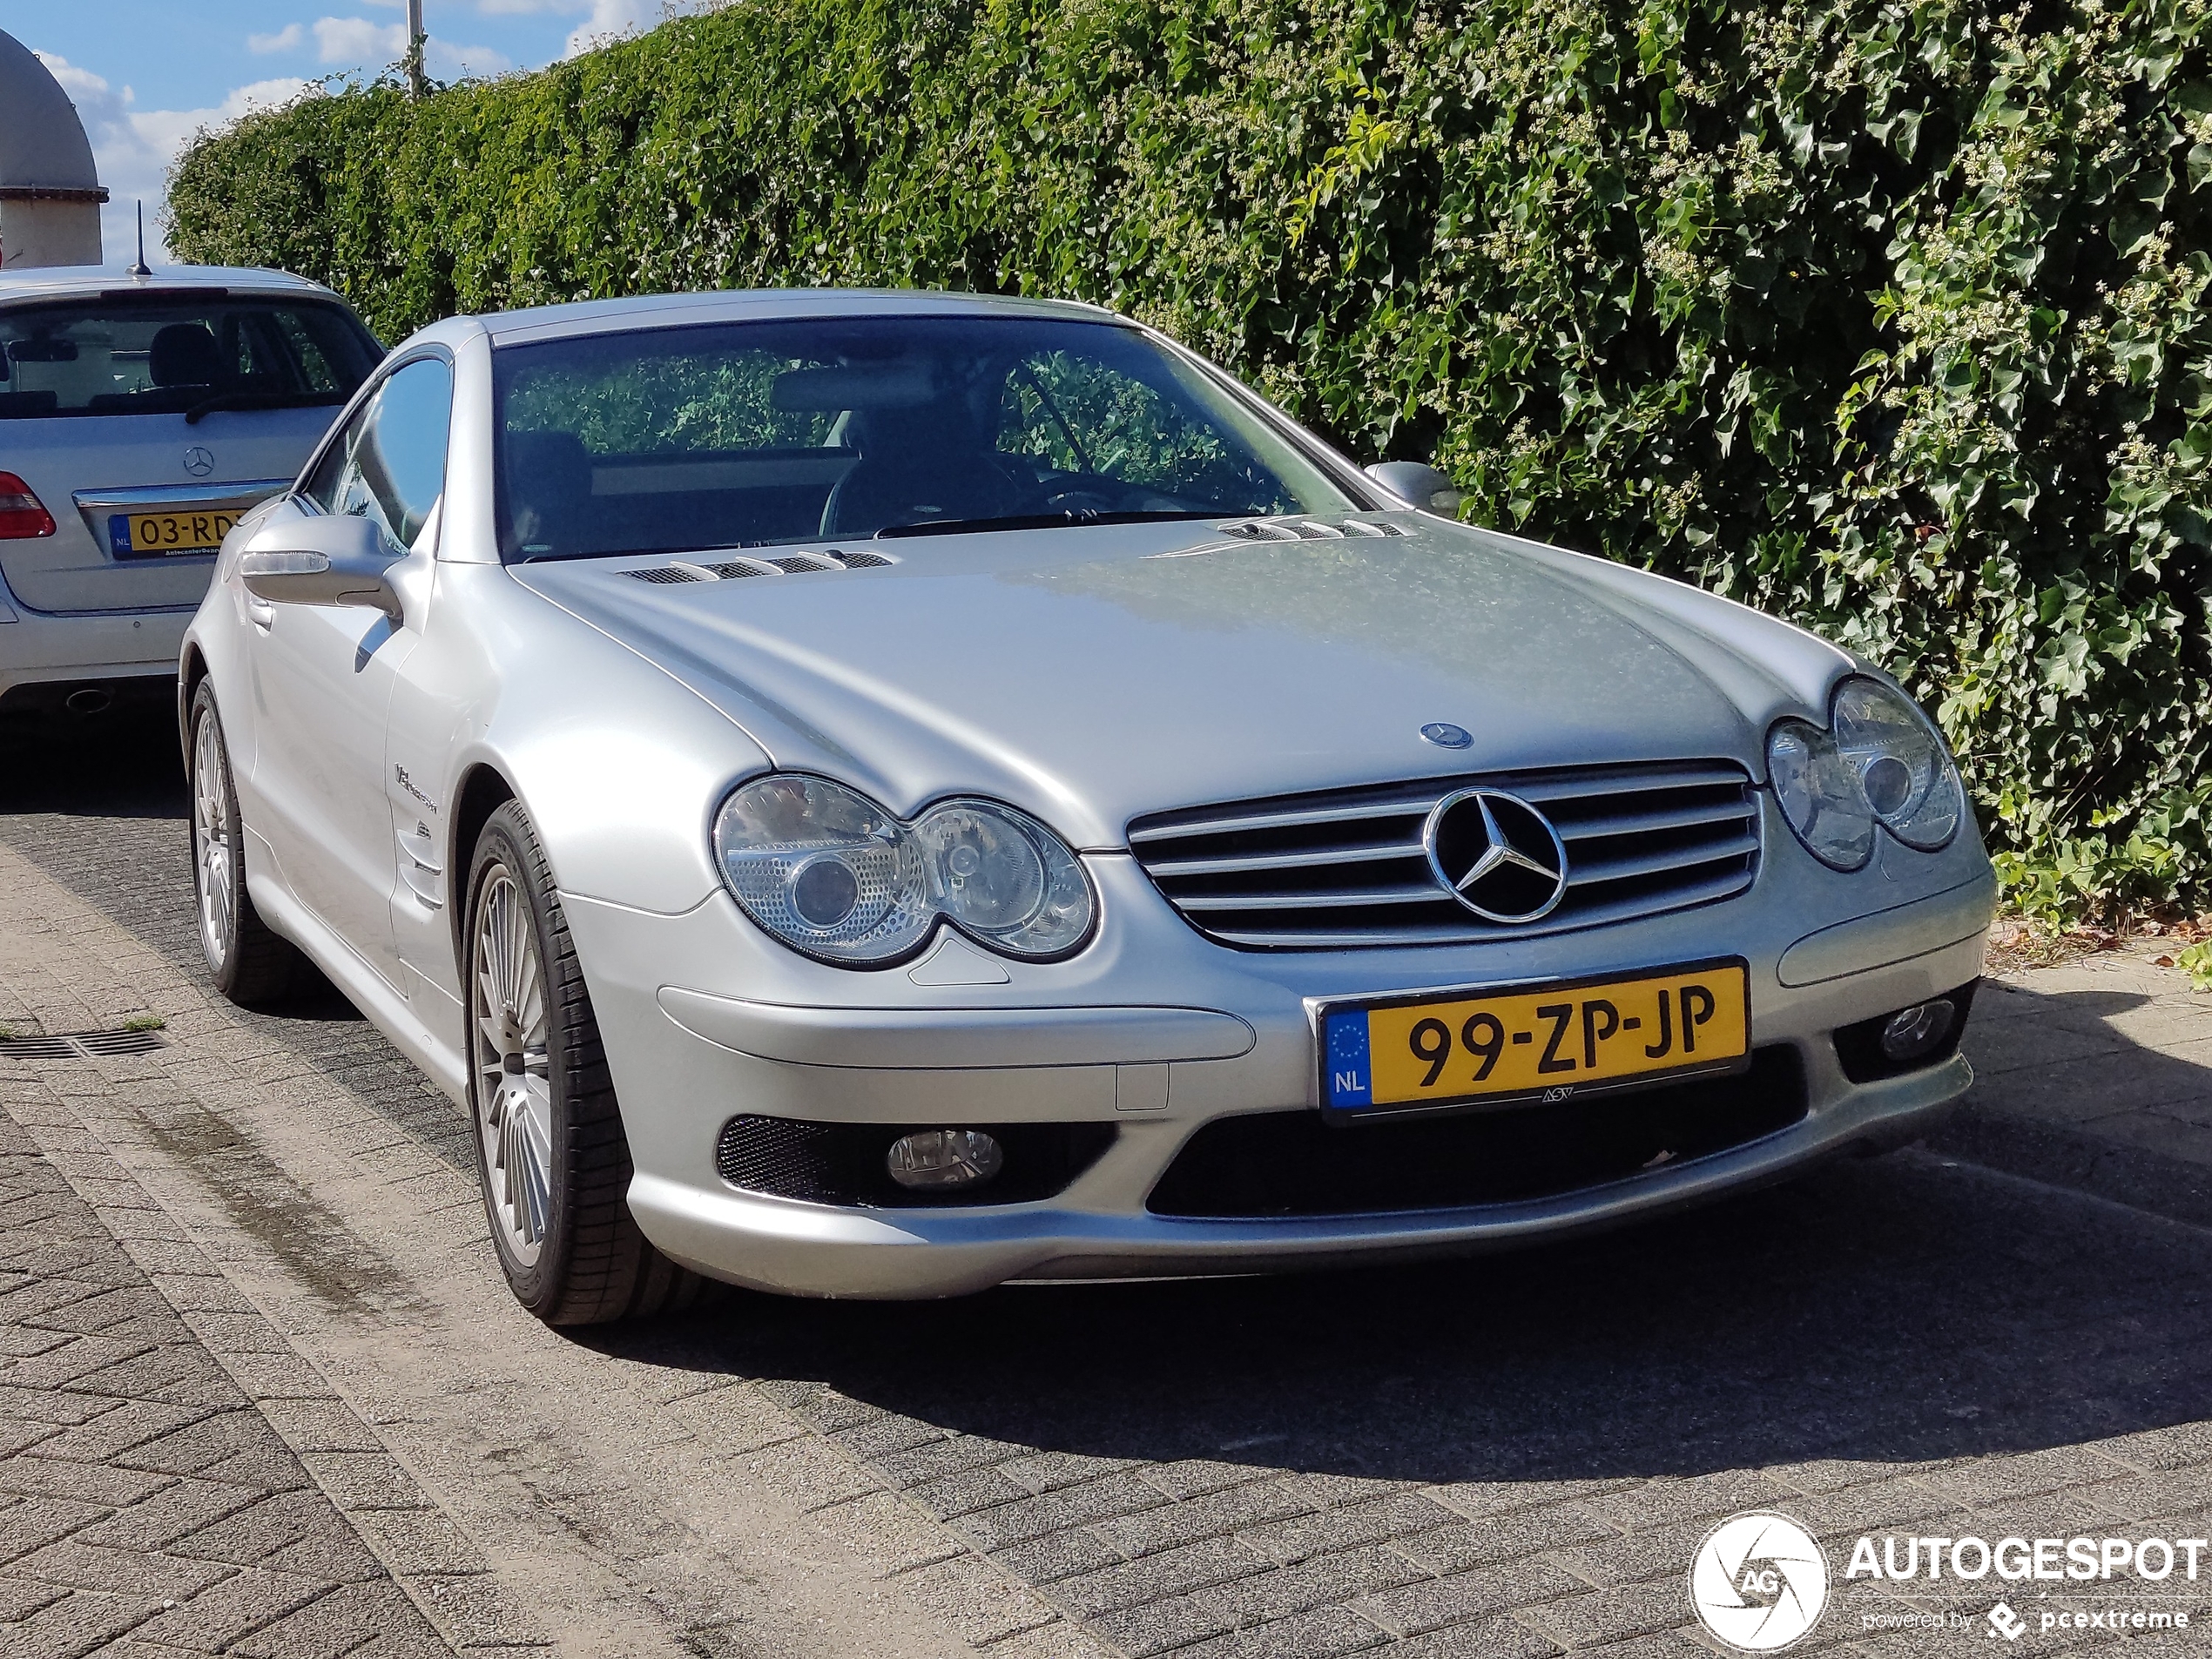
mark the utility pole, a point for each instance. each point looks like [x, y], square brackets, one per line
[417, 87]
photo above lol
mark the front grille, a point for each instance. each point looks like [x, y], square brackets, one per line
[1345, 868]
[1293, 1164]
[843, 1163]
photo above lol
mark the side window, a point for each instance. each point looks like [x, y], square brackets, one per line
[389, 465]
[322, 483]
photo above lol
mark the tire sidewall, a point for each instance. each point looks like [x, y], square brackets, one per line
[507, 841]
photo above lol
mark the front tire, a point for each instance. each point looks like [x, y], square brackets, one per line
[550, 1152]
[251, 964]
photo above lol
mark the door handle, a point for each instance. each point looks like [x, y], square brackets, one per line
[261, 613]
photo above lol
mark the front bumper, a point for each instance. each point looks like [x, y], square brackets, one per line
[1159, 1033]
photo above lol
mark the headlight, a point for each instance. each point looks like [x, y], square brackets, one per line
[832, 875]
[1880, 763]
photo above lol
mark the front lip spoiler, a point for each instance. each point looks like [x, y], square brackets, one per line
[818, 1250]
[94, 505]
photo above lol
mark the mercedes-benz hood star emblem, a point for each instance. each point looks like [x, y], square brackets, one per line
[1496, 854]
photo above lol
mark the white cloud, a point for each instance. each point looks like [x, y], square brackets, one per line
[611, 19]
[133, 148]
[356, 42]
[445, 62]
[287, 39]
[531, 8]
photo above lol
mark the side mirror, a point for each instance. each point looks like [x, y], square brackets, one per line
[1418, 485]
[336, 559]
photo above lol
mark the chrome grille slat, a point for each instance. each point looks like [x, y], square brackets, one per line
[1289, 820]
[1286, 872]
[1320, 898]
[1594, 871]
[1169, 869]
[1594, 829]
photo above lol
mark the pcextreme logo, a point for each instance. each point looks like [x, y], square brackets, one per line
[1758, 1582]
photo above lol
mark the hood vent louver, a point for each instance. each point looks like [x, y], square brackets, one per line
[737, 569]
[1309, 529]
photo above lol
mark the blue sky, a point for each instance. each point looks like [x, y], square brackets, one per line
[146, 74]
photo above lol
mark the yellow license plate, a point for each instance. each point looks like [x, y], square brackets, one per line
[151, 535]
[1552, 1042]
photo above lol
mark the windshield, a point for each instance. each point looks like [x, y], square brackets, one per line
[179, 353]
[748, 434]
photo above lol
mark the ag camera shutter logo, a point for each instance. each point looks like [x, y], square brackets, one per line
[1758, 1582]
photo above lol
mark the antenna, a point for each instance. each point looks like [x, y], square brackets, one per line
[139, 267]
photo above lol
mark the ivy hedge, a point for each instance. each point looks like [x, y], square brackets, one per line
[1888, 315]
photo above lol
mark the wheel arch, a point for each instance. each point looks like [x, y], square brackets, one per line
[190, 671]
[483, 790]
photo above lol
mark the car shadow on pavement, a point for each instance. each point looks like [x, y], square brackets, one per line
[122, 763]
[1895, 1311]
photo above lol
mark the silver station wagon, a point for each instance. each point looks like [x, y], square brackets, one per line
[881, 794]
[141, 414]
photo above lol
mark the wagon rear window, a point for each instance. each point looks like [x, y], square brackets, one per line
[177, 353]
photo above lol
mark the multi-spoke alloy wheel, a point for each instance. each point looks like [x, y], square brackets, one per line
[549, 1145]
[513, 1089]
[214, 849]
[251, 965]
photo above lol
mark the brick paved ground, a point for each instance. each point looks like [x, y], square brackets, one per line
[142, 1493]
[1504, 1457]
[2096, 1075]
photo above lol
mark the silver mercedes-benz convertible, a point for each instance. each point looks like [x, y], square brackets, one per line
[881, 794]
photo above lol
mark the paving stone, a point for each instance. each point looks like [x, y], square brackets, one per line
[154, 1487]
[1026, 1518]
[79, 1481]
[1316, 1582]
[21, 1597]
[1209, 1516]
[1482, 1639]
[78, 1623]
[1057, 1555]
[1154, 1577]
[1610, 1615]
[1399, 1515]
[1505, 1537]
[1312, 1635]
[1413, 1608]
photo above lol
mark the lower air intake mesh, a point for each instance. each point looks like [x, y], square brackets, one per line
[1292, 1163]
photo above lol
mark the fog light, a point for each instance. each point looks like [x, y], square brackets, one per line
[1912, 1032]
[944, 1158]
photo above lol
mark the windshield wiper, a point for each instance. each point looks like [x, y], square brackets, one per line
[257, 401]
[1032, 521]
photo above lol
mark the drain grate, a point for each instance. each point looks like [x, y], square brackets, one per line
[81, 1045]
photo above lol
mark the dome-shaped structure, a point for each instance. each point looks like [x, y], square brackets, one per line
[49, 191]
